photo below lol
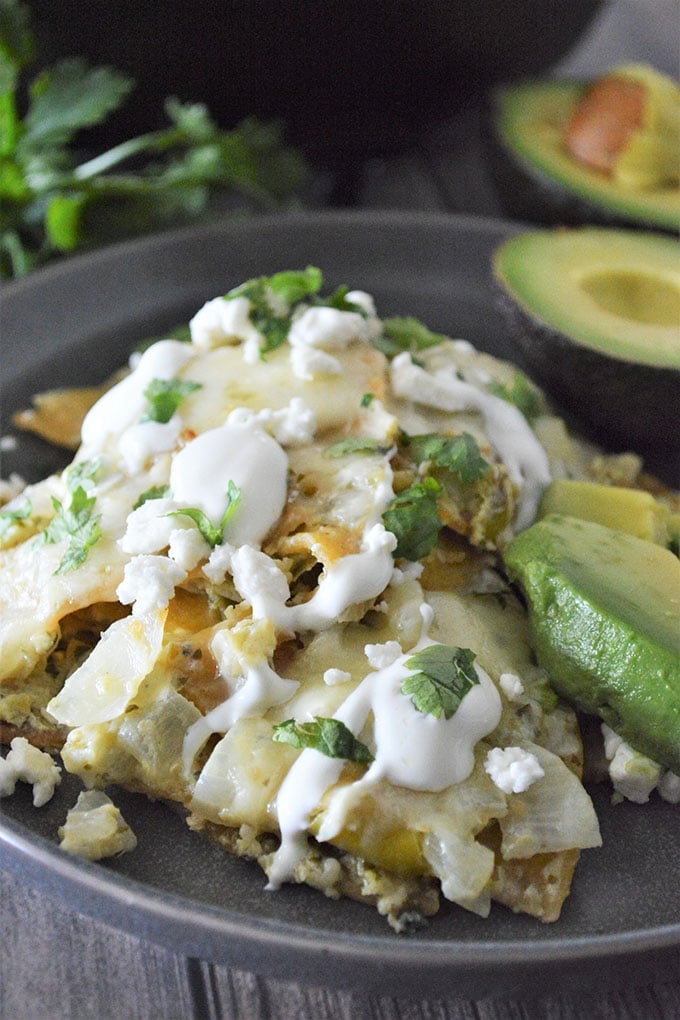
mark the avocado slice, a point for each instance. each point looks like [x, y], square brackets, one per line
[623, 509]
[597, 314]
[538, 180]
[604, 618]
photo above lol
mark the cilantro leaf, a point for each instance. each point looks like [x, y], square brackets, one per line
[293, 286]
[8, 518]
[445, 675]
[290, 287]
[83, 474]
[338, 300]
[459, 454]
[68, 97]
[155, 492]
[165, 396]
[522, 394]
[77, 525]
[213, 535]
[367, 399]
[355, 444]
[405, 333]
[53, 203]
[413, 516]
[328, 736]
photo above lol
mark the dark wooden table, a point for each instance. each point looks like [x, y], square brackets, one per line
[58, 964]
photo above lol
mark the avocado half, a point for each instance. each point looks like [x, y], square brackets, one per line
[596, 313]
[537, 179]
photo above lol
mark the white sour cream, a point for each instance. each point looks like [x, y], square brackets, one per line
[412, 749]
[508, 429]
[246, 456]
[124, 404]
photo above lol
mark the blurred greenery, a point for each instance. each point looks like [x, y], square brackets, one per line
[53, 200]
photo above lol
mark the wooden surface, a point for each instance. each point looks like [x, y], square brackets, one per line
[60, 965]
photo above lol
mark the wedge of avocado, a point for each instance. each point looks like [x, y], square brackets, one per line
[604, 617]
[539, 180]
[596, 313]
[623, 509]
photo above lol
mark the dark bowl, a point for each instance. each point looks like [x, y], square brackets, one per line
[349, 80]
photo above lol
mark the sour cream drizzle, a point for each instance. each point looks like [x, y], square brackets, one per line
[245, 455]
[509, 431]
[412, 749]
[123, 405]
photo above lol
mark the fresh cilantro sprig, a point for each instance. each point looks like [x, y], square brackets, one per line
[53, 203]
[413, 516]
[273, 300]
[77, 525]
[328, 736]
[154, 492]
[165, 396]
[459, 454]
[444, 676]
[213, 534]
[406, 333]
[522, 394]
[355, 444]
[8, 518]
[83, 473]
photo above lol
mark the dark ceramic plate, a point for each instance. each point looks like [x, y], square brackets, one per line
[74, 323]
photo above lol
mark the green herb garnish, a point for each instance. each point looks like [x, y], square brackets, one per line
[8, 518]
[77, 525]
[522, 394]
[290, 287]
[367, 399]
[406, 334]
[165, 396]
[355, 444]
[155, 492]
[83, 474]
[53, 202]
[212, 534]
[459, 454]
[328, 736]
[413, 516]
[444, 676]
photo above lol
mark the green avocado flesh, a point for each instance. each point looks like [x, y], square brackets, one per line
[604, 612]
[530, 120]
[614, 291]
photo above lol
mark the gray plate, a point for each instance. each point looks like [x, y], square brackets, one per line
[75, 322]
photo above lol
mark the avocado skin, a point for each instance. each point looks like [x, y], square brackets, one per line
[620, 403]
[604, 615]
[526, 192]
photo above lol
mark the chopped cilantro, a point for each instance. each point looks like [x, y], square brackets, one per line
[165, 396]
[338, 300]
[77, 525]
[328, 736]
[444, 676]
[459, 454]
[355, 444]
[522, 394]
[293, 285]
[155, 492]
[289, 287]
[406, 334]
[367, 399]
[8, 518]
[413, 516]
[83, 474]
[214, 535]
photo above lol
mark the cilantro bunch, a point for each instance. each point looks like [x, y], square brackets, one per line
[52, 201]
